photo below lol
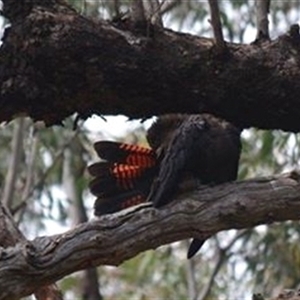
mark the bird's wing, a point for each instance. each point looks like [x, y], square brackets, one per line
[178, 152]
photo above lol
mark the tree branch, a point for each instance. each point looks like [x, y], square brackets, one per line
[112, 239]
[153, 11]
[14, 164]
[217, 25]
[287, 294]
[54, 62]
[222, 256]
[138, 11]
[168, 5]
[191, 278]
[262, 11]
[10, 235]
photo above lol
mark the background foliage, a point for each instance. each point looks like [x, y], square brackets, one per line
[44, 181]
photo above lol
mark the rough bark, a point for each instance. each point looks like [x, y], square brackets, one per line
[10, 235]
[112, 239]
[284, 295]
[54, 62]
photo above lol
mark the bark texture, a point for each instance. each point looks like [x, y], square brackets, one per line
[54, 62]
[112, 239]
[10, 235]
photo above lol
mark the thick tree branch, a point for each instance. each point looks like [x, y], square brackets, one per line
[10, 235]
[54, 62]
[110, 240]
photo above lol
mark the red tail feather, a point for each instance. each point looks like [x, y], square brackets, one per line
[125, 153]
[113, 177]
[125, 179]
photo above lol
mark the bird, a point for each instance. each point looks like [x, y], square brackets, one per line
[200, 146]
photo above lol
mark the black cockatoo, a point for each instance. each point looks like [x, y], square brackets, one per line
[202, 146]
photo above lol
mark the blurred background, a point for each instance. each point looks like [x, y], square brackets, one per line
[44, 182]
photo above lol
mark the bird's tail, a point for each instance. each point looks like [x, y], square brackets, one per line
[124, 179]
[194, 247]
